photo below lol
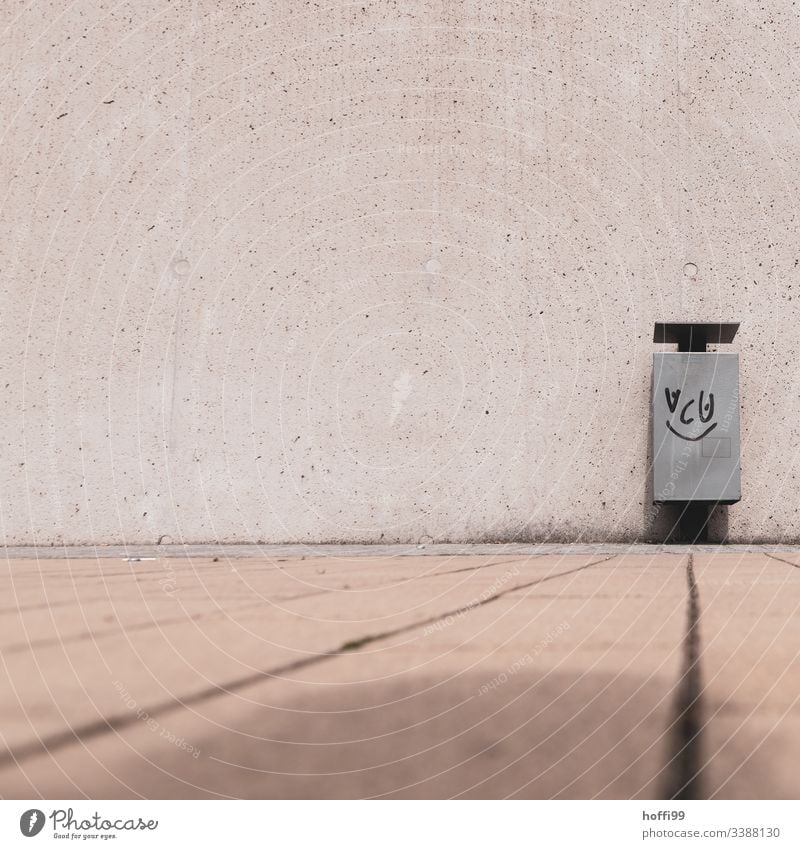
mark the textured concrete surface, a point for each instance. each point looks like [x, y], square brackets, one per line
[574, 675]
[384, 272]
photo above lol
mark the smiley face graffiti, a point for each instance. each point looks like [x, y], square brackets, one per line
[705, 411]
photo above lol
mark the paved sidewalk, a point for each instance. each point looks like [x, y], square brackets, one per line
[527, 671]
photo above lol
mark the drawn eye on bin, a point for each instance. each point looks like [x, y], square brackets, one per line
[702, 407]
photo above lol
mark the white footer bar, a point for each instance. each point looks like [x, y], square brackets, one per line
[401, 825]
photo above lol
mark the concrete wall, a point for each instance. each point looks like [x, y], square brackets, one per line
[291, 271]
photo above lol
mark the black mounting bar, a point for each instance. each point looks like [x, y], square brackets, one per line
[695, 335]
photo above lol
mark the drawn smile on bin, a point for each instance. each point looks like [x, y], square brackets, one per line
[705, 410]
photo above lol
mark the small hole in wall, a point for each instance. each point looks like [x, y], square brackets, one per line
[690, 270]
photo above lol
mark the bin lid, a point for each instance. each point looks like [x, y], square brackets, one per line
[710, 332]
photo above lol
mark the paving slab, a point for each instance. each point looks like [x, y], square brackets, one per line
[74, 672]
[547, 676]
[750, 661]
[540, 674]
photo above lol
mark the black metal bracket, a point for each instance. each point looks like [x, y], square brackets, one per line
[694, 335]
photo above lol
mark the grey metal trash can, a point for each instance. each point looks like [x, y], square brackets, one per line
[695, 407]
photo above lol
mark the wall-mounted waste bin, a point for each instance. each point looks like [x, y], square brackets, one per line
[695, 416]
